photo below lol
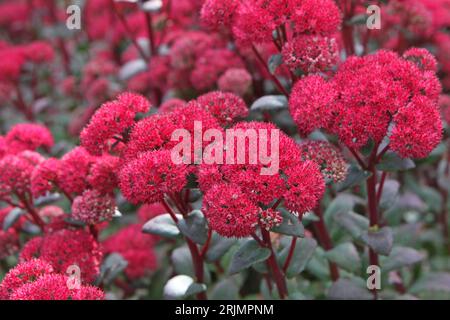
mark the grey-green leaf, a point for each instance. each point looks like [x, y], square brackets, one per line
[401, 257]
[354, 223]
[194, 227]
[380, 241]
[162, 225]
[247, 255]
[274, 62]
[113, 265]
[270, 102]
[345, 256]
[303, 252]
[290, 226]
[346, 289]
[218, 247]
[12, 217]
[392, 162]
[355, 176]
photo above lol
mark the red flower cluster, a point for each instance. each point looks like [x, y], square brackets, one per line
[330, 160]
[36, 280]
[237, 195]
[369, 93]
[64, 248]
[112, 121]
[92, 207]
[136, 248]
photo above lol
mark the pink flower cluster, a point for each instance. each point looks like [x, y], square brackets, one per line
[36, 279]
[370, 93]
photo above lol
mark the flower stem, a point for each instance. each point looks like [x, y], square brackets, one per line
[272, 264]
[325, 241]
[273, 77]
[373, 213]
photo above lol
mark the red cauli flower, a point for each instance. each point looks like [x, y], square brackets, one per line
[64, 248]
[9, 239]
[361, 107]
[330, 160]
[217, 14]
[444, 104]
[315, 16]
[299, 184]
[111, 121]
[39, 52]
[76, 165]
[210, 65]
[149, 176]
[171, 104]
[55, 287]
[226, 107]
[305, 187]
[229, 211]
[15, 173]
[27, 136]
[269, 219]
[44, 177]
[151, 133]
[103, 173]
[417, 130]
[310, 103]
[136, 248]
[311, 53]
[22, 274]
[93, 207]
[422, 58]
[235, 80]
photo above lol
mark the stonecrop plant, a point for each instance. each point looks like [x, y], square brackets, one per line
[224, 149]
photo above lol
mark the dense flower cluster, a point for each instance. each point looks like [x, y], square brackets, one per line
[64, 248]
[136, 248]
[36, 280]
[111, 121]
[93, 207]
[359, 107]
[330, 160]
[236, 194]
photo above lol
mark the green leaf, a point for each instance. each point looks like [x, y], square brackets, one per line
[218, 247]
[151, 6]
[247, 255]
[111, 267]
[162, 225]
[182, 263]
[132, 68]
[342, 203]
[432, 282]
[390, 194]
[179, 287]
[303, 252]
[352, 222]
[275, 61]
[380, 241]
[345, 256]
[392, 162]
[290, 226]
[226, 289]
[267, 103]
[194, 289]
[12, 217]
[46, 200]
[359, 19]
[401, 257]
[355, 176]
[346, 289]
[194, 227]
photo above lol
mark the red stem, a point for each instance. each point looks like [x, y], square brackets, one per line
[37, 219]
[206, 246]
[273, 266]
[325, 240]
[290, 254]
[273, 77]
